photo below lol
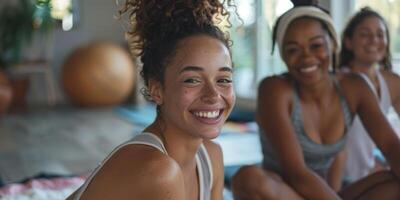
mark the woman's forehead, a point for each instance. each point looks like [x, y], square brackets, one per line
[305, 28]
[371, 21]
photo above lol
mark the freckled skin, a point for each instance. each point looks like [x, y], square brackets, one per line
[198, 79]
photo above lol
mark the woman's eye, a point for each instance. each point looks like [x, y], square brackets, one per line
[291, 51]
[191, 80]
[316, 46]
[381, 35]
[225, 80]
[364, 34]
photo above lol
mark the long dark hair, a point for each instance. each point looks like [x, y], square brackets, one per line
[346, 55]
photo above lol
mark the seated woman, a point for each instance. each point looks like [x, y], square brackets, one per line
[365, 50]
[187, 70]
[304, 115]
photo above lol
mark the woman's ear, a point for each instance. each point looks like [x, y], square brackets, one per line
[155, 90]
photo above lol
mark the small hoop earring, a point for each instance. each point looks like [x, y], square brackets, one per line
[146, 94]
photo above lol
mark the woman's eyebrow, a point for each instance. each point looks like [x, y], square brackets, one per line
[226, 69]
[190, 68]
[197, 68]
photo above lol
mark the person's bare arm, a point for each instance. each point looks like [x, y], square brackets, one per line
[138, 172]
[393, 83]
[215, 153]
[273, 116]
[335, 173]
[375, 122]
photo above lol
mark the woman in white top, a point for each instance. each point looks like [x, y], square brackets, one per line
[365, 50]
[187, 70]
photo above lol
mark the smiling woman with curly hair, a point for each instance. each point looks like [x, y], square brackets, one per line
[187, 70]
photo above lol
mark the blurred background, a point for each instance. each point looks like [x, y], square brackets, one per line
[69, 87]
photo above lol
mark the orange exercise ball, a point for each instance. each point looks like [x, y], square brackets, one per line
[99, 74]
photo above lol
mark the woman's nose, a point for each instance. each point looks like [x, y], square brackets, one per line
[308, 56]
[210, 93]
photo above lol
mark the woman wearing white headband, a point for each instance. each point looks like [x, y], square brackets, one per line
[304, 115]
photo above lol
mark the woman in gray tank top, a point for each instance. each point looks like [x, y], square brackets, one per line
[187, 72]
[304, 115]
[365, 50]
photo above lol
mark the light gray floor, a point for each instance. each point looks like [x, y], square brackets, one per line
[63, 141]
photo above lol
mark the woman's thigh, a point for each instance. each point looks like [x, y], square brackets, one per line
[379, 185]
[255, 183]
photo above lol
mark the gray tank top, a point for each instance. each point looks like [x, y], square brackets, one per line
[203, 162]
[317, 157]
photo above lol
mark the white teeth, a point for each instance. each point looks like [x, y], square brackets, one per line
[209, 114]
[309, 69]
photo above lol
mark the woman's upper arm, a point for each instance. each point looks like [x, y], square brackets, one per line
[273, 116]
[365, 104]
[215, 153]
[393, 83]
[373, 119]
[138, 174]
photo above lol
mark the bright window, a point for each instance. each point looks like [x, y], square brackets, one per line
[60, 10]
[252, 43]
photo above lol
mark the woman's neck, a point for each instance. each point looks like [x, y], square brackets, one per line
[317, 92]
[368, 69]
[182, 147]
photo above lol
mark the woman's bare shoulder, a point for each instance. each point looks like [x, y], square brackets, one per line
[352, 80]
[137, 170]
[282, 79]
[390, 77]
[393, 82]
[275, 85]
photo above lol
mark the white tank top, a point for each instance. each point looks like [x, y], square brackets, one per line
[203, 163]
[360, 158]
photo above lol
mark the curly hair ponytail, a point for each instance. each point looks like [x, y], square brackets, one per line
[158, 25]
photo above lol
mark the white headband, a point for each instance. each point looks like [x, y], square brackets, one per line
[303, 11]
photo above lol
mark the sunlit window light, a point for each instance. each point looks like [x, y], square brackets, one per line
[246, 11]
[60, 9]
[68, 22]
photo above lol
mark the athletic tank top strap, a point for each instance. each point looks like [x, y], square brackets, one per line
[148, 139]
[348, 116]
[296, 111]
[204, 170]
[384, 99]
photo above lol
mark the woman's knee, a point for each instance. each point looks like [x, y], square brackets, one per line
[252, 182]
[389, 190]
[379, 182]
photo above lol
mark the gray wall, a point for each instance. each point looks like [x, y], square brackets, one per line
[96, 22]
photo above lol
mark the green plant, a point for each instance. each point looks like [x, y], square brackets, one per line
[19, 20]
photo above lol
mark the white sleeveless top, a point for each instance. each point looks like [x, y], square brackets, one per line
[203, 162]
[360, 158]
